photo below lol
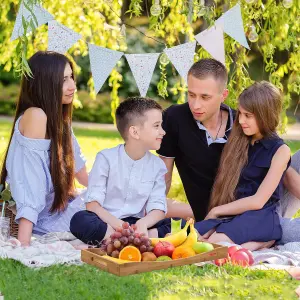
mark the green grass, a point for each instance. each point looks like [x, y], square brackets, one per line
[188, 282]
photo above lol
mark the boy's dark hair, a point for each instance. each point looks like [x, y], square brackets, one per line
[209, 67]
[132, 111]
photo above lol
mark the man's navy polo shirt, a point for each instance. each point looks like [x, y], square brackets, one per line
[197, 163]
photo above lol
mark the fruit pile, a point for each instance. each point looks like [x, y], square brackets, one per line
[126, 236]
[125, 244]
[237, 256]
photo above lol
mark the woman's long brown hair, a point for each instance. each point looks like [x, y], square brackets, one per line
[45, 90]
[264, 101]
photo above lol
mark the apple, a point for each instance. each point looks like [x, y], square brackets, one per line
[220, 261]
[163, 249]
[233, 249]
[201, 247]
[250, 255]
[240, 258]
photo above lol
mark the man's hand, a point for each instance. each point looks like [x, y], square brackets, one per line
[141, 227]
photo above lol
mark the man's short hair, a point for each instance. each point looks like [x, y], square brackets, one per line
[132, 112]
[209, 67]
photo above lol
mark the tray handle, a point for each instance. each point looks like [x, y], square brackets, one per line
[100, 262]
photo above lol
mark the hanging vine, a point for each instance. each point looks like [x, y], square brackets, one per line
[272, 28]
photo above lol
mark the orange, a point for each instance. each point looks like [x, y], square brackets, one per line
[182, 252]
[130, 253]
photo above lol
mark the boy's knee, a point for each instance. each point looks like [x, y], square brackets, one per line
[88, 227]
[75, 222]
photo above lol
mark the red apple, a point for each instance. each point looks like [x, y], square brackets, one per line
[240, 258]
[163, 249]
[249, 253]
[220, 261]
[233, 249]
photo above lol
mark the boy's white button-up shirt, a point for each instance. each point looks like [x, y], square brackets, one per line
[125, 187]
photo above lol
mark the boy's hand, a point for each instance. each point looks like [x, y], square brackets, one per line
[141, 227]
[117, 223]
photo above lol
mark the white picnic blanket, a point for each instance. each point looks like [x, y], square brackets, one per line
[58, 248]
[288, 255]
[44, 251]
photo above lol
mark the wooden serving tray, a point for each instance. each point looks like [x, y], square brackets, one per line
[92, 257]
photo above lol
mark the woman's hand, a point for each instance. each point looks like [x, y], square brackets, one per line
[25, 231]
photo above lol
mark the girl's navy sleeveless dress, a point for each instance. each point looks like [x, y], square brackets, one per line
[255, 225]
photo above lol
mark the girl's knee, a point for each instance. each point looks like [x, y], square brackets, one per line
[219, 237]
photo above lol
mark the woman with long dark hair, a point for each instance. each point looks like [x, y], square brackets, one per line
[43, 156]
[251, 171]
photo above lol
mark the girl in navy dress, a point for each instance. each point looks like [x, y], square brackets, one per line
[249, 180]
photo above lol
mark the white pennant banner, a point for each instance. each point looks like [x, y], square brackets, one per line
[41, 14]
[232, 24]
[60, 37]
[142, 67]
[212, 40]
[102, 62]
[182, 57]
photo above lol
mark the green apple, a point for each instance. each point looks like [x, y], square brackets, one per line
[201, 247]
[163, 258]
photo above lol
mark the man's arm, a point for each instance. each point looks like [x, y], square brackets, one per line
[291, 182]
[175, 209]
[179, 210]
[169, 162]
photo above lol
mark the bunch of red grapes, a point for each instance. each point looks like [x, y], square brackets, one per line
[126, 236]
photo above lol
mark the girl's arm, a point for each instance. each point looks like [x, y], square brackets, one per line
[264, 192]
[291, 181]
[33, 125]
[82, 176]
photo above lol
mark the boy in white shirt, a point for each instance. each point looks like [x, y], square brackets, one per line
[127, 182]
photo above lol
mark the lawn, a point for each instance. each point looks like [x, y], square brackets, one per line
[189, 282]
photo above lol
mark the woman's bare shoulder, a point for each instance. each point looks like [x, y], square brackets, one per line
[33, 123]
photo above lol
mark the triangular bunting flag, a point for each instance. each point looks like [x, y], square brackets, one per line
[232, 24]
[41, 14]
[182, 57]
[102, 61]
[212, 40]
[142, 67]
[60, 37]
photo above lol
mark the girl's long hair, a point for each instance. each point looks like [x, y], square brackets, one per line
[45, 90]
[264, 101]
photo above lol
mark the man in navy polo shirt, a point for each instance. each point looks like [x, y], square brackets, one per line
[196, 133]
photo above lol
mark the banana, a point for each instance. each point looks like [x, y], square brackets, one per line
[175, 239]
[116, 260]
[192, 237]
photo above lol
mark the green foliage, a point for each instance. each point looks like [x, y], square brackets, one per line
[79, 15]
[277, 47]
